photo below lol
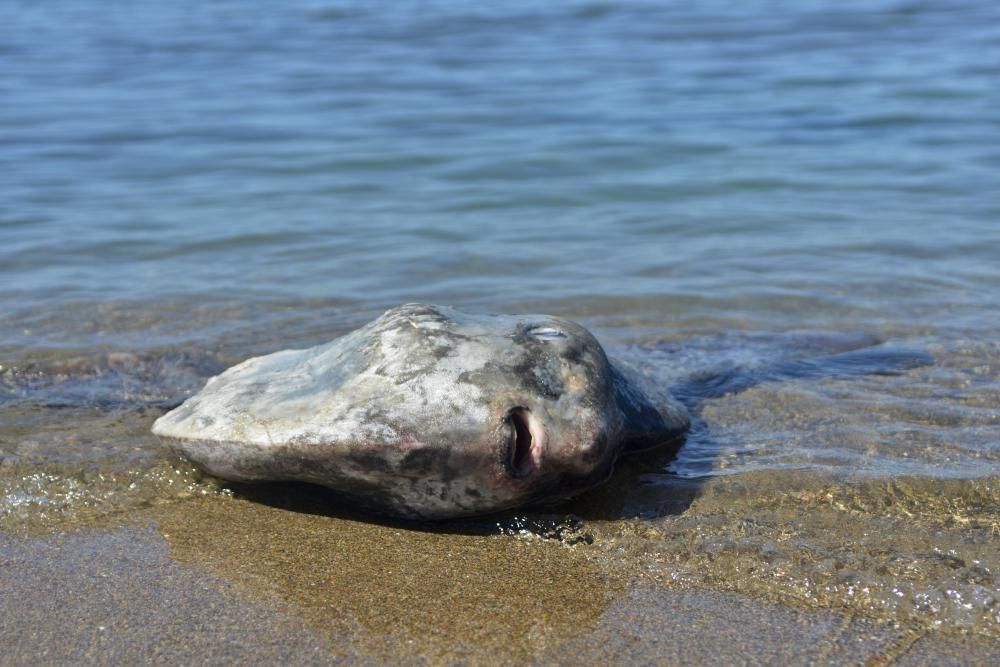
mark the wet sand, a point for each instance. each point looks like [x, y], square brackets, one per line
[221, 579]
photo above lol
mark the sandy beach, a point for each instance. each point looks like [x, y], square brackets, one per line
[224, 579]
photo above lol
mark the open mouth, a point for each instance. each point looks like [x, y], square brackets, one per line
[525, 441]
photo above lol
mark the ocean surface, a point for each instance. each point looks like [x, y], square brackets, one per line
[707, 186]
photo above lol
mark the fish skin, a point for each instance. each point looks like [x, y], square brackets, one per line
[427, 412]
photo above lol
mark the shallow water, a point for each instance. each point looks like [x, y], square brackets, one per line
[708, 188]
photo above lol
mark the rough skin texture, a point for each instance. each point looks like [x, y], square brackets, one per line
[428, 412]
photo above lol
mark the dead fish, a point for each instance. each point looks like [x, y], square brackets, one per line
[430, 413]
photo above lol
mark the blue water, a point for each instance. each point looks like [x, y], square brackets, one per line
[228, 178]
[788, 160]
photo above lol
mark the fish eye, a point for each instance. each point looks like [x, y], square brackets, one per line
[545, 333]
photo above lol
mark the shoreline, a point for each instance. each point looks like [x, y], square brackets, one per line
[210, 579]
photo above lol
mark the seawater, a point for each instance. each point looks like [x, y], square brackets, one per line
[706, 186]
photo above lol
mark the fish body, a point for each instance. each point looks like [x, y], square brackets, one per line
[429, 413]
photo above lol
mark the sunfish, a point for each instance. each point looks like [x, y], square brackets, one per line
[430, 413]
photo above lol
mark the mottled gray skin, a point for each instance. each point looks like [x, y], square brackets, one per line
[428, 412]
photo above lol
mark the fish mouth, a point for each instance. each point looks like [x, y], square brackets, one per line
[525, 441]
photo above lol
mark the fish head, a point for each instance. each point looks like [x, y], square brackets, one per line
[516, 409]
